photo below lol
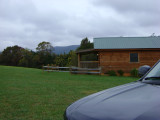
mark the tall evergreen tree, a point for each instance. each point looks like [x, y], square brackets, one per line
[85, 44]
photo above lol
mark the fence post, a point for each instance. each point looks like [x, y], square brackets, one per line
[70, 69]
[100, 70]
[48, 67]
[52, 67]
[43, 68]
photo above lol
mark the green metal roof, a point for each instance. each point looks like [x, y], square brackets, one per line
[126, 42]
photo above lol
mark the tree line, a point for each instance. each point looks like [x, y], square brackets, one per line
[44, 54]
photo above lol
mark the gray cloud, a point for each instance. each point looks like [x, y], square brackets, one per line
[142, 12]
[151, 6]
[28, 22]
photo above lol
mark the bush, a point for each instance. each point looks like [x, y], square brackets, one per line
[134, 72]
[120, 72]
[111, 73]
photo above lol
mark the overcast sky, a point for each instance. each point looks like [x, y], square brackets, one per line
[66, 22]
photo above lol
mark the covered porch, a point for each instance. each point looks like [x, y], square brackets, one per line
[88, 58]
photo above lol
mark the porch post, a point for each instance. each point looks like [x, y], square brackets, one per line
[98, 59]
[79, 59]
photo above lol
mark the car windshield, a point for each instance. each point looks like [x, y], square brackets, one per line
[154, 74]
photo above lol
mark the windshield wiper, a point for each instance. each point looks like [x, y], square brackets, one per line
[152, 78]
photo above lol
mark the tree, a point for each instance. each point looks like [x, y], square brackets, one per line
[85, 44]
[45, 54]
[60, 60]
[12, 55]
[27, 58]
[45, 47]
[72, 59]
[1, 58]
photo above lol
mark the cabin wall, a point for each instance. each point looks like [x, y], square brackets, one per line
[120, 60]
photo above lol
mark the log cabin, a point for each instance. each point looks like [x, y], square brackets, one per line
[122, 53]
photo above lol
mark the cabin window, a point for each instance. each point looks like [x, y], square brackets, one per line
[133, 57]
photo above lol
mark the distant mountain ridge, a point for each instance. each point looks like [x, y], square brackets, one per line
[64, 49]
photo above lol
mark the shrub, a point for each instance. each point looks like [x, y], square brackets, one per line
[134, 72]
[120, 72]
[111, 73]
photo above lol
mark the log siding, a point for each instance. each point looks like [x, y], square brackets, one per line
[120, 59]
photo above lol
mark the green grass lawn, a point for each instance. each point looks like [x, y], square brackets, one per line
[31, 94]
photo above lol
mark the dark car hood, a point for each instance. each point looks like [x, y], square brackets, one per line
[134, 101]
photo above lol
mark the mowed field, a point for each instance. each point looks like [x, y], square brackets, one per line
[31, 94]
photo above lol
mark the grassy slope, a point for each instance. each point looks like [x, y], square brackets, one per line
[27, 93]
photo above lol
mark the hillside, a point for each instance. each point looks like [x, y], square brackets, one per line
[64, 49]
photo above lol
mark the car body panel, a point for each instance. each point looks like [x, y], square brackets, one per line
[133, 101]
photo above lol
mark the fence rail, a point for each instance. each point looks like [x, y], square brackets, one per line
[76, 70]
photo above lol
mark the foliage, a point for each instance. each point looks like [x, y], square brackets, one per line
[44, 59]
[134, 72]
[1, 58]
[72, 59]
[18, 56]
[120, 72]
[111, 73]
[27, 58]
[12, 55]
[45, 47]
[69, 59]
[60, 60]
[85, 44]
[30, 94]
[45, 54]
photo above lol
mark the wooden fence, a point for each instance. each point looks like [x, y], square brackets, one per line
[76, 70]
[73, 70]
[56, 69]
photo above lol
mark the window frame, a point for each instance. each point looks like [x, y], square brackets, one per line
[131, 61]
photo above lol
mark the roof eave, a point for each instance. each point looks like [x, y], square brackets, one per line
[86, 51]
